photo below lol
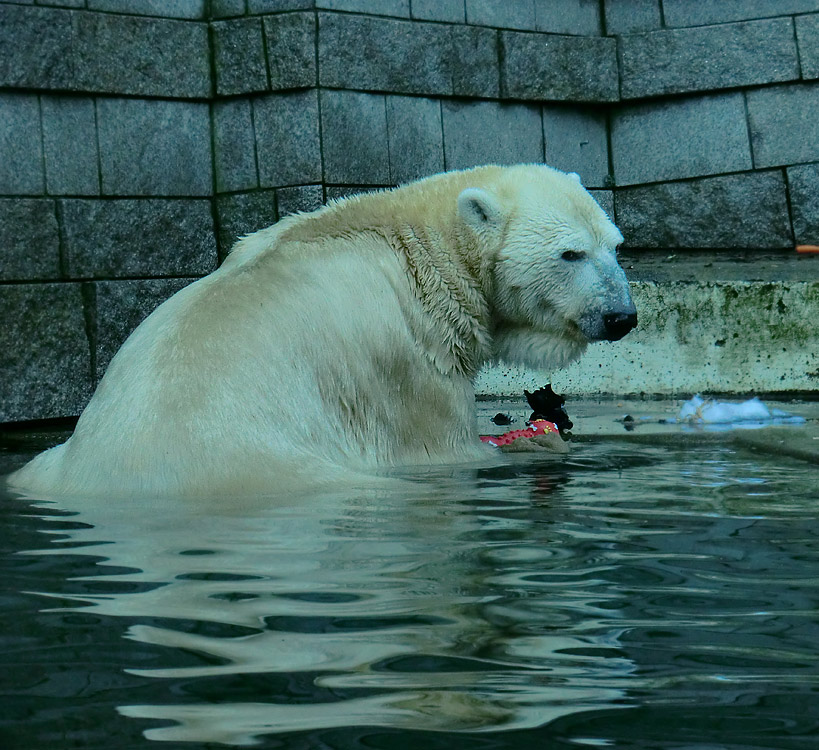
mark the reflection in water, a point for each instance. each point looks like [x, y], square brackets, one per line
[469, 601]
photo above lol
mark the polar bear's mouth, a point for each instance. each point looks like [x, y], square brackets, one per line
[540, 346]
[554, 324]
[573, 332]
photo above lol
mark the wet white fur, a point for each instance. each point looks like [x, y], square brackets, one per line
[345, 339]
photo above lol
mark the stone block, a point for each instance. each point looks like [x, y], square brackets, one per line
[154, 147]
[605, 199]
[803, 182]
[807, 37]
[376, 7]
[142, 56]
[277, 6]
[701, 59]
[29, 239]
[675, 139]
[353, 54]
[340, 192]
[568, 17]
[576, 140]
[148, 237]
[291, 50]
[239, 56]
[227, 8]
[287, 139]
[119, 307]
[687, 13]
[415, 137]
[292, 200]
[21, 148]
[47, 373]
[58, 3]
[631, 16]
[244, 213]
[70, 145]
[191, 9]
[234, 146]
[354, 134]
[558, 68]
[501, 14]
[474, 59]
[53, 48]
[478, 133]
[37, 46]
[783, 123]
[731, 211]
[452, 11]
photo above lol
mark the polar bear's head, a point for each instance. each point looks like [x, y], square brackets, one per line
[556, 283]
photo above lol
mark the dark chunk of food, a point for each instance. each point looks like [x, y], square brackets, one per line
[546, 404]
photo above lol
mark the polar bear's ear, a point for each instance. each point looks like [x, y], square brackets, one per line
[574, 176]
[480, 209]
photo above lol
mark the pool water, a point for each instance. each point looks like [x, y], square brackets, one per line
[628, 596]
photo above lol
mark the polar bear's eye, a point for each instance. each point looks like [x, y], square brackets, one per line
[573, 255]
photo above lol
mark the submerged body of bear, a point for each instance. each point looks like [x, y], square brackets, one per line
[348, 338]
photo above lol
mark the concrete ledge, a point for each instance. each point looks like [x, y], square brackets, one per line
[664, 266]
[801, 443]
[738, 337]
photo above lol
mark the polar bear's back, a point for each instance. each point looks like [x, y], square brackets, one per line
[238, 382]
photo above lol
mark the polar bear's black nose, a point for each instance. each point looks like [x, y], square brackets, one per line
[619, 324]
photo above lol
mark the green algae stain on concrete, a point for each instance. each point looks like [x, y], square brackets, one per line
[696, 336]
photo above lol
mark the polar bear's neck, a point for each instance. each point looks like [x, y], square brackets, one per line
[449, 291]
[447, 271]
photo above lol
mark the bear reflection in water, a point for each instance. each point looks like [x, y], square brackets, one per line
[241, 618]
[322, 345]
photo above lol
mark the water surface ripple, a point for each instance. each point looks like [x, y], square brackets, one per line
[632, 597]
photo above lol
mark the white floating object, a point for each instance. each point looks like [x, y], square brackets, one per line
[709, 412]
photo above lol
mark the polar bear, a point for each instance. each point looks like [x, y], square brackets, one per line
[346, 339]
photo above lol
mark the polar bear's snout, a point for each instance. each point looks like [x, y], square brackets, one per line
[618, 324]
[609, 324]
[614, 315]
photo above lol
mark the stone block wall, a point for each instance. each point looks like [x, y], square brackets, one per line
[140, 138]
